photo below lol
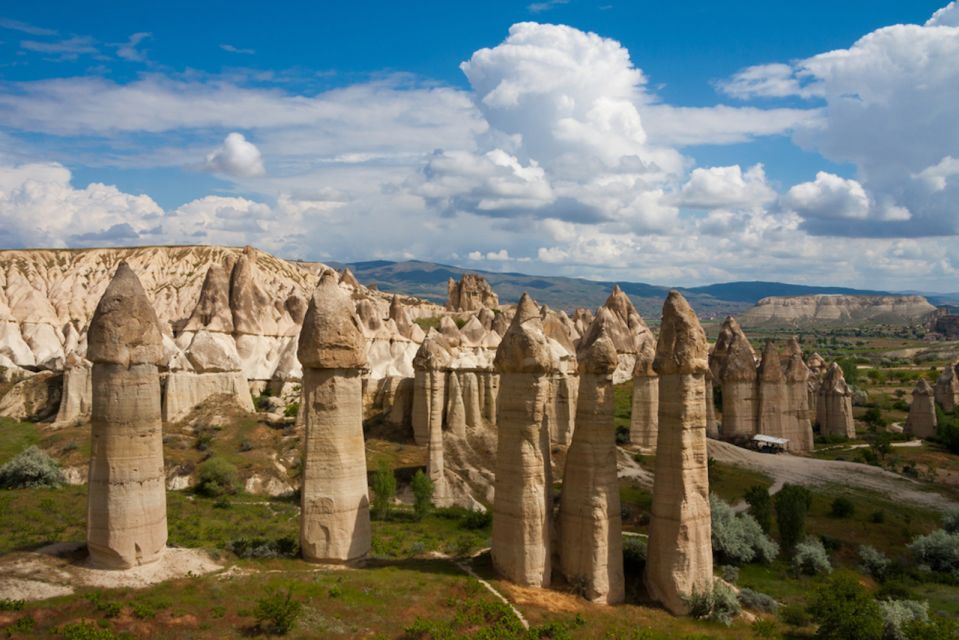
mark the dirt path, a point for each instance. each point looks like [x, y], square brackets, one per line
[813, 472]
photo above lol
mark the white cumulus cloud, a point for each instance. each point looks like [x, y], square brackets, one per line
[236, 157]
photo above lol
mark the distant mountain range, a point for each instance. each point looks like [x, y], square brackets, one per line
[428, 280]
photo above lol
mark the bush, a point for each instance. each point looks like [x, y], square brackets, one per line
[719, 604]
[474, 519]
[939, 551]
[384, 489]
[622, 435]
[634, 554]
[32, 468]
[422, 494]
[285, 547]
[764, 629]
[842, 507]
[85, 631]
[757, 601]
[792, 505]
[810, 558]
[291, 410]
[794, 615]
[948, 430]
[277, 613]
[738, 538]
[950, 521]
[760, 506]
[844, 610]
[896, 614]
[873, 562]
[935, 629]
[216, 477]
[877, 517]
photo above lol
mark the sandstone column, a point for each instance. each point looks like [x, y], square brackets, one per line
[590, 524]
[522, 504]
[922, 421]
[680, 557]
[126, 500]
[455, 408]
[712, 427]
[429, 385]
[947, 388]
[644, 416]
[772, 393]
[798, 418]
[835, 405]
[740, 390]
[472, 401]
[335, 522]
[562, 411]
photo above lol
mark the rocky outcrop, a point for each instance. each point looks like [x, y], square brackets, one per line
[922, 420]
[680, 559]
[590, 521]
[429, 384]
[456, 408]
[837, 310]
[947, 388]
[471, 293]
[76, 398]
[212, 368]
[733, 365]
[35, 398]
[335, 520]
[834, 407]
[772, 393]
[797, 418]
[126, 501]
[522, 504]
[644, 417]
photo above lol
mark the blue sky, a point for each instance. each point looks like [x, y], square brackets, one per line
[664, 142]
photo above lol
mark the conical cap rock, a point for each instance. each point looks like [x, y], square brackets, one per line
[682, 346]
[331, 337]
[124, 329]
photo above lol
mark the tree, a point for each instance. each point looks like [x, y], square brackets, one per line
[384, 489]
[760, 506]
[792, 505]
[844, 610]
[422, 494]
[217, 477]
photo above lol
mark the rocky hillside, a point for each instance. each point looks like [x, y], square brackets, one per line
[837, 310]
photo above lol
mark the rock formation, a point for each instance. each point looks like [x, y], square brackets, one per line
[456, 408]
[947, 388]
[429, 385]
[797, 418]
[644, 418]
[680, 559]
[214, 369]
[922, 421]
[335, 520]
[736, 372]
[471, 293]
[126, 500]
[522, 506]
[834, 407]
[562, 409]
[590, 525]
[772, 393]
[77, 396]
[837, 310]
[817, 371]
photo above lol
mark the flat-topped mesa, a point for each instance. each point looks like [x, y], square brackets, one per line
[680, 560]
[644, 418]
[772, 393]
[922, 420]
[335, 520]
[126, 500]
[590, 520]
[522, 504]
[429, 385]
[834, 407]
[797, 421]
[471, 293]
[947, 388]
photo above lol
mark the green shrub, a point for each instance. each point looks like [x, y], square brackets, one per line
[216, 477]
[939, 551]
[948, 430]
[622, 435]
[85, 631]
[6, 604]
[935, 629]
[634, 554]
[422, 494]
[842, 507]
[764, 629]
[792, 504]
[950, 521]
[850, 370]
[844, 610]
[284, 547]
[718, 604]
[810, 558]
[384, 489]
[794, 615]
[291, 410]
[738, 538]
[756, 601]
[873, 562]
[474, 519]
[897, 614]
[277, 612]
[760, 506]
[32, 468]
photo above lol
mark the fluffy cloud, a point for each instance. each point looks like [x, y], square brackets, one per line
[236, 157]
[718, 187]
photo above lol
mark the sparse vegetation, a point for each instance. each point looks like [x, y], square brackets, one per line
[422, 494]
[384, 490]
[792, 504]
[31, 469]
[216, 477]
[277, 612]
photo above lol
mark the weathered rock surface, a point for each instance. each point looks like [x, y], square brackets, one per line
[522, 505]
[36, 397]
[335, 520]
[590, 520]
[837, 310]
[733, 364]
[644, 417]
[797, 418]
[471, 293]
[922, 421]
[126, 501]
[772, 393]
[947, 388]
[680, 560]
[429, 386]
[834, 407]
[76, 398]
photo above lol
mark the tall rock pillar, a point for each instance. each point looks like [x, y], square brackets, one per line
[922, 421]
[644, 417]
[429, 387]
[335, 520]
[522, 504]
[834, 407]
[680, 558]
[798, 425]
[590, 521]
[126, 499]
[772, 393]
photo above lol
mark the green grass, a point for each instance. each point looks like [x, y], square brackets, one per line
[15, 436]
[622, 403]
[731, 483]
